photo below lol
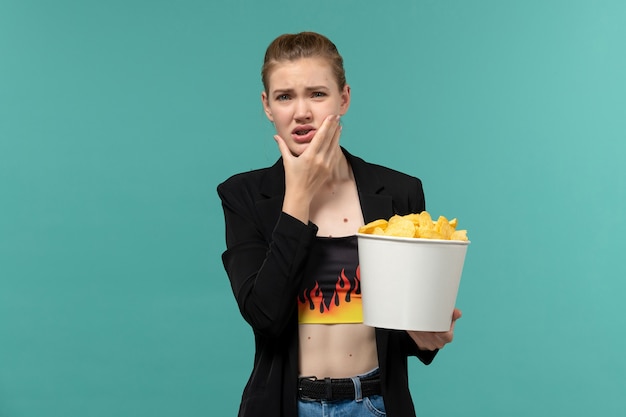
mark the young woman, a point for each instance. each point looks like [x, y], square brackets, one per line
[292, 253]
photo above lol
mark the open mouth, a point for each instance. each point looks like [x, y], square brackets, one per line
[303, 134]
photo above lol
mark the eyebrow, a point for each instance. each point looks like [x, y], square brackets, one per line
[291, 90]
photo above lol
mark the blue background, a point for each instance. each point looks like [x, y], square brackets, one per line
[118, 119]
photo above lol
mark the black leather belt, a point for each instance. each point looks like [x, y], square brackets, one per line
[329, 389]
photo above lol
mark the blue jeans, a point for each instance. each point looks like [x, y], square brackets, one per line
[372, 406]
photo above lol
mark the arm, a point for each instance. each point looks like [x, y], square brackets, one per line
[264, 273]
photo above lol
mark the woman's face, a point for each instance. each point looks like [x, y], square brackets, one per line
[301, 94]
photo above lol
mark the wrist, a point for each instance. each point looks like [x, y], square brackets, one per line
[297, 205]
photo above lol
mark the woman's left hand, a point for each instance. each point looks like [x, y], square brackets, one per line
[435, 340]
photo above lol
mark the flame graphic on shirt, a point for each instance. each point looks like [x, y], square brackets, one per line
[339, 305]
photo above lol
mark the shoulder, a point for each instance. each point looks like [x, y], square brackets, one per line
[243, 179]
[241, 191]
[262, 181]
[390, 173]
[388, 176]
[404, 191]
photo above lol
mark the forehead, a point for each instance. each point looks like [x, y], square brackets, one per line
[302, 73]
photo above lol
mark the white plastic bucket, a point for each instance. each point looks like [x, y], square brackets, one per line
[409, 283]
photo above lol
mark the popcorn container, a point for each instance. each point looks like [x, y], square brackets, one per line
[409, 283]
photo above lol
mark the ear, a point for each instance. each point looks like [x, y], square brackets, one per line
[345, 100]
[266, 106]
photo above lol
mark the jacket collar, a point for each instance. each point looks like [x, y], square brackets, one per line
[375, 204]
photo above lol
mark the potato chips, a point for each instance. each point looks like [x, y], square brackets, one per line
[416, 225]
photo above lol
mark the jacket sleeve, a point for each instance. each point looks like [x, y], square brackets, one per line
[425, 356]
[264, 272]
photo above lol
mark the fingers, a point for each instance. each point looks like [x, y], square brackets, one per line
[336, 130]
[325, 139]
[328, 135]
[282, 146]
[456, 314]
[337, 135]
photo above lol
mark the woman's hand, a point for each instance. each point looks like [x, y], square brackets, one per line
[435, 340]
[307, 172]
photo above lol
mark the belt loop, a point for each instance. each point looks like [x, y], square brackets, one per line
[358, 393]
[329, 388]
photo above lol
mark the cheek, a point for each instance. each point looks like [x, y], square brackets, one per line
[281, 118]
[329, 108]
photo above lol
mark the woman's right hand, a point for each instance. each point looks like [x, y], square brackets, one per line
[306, 173]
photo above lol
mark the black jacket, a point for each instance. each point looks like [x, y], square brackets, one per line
[266, 251]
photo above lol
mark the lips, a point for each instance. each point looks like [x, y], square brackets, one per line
[303, 133]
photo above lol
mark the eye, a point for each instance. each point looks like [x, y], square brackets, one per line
[282, 97]
[318, 94]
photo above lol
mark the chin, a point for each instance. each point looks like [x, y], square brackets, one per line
[298, 148]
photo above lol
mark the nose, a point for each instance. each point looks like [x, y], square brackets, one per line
[302, 111]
